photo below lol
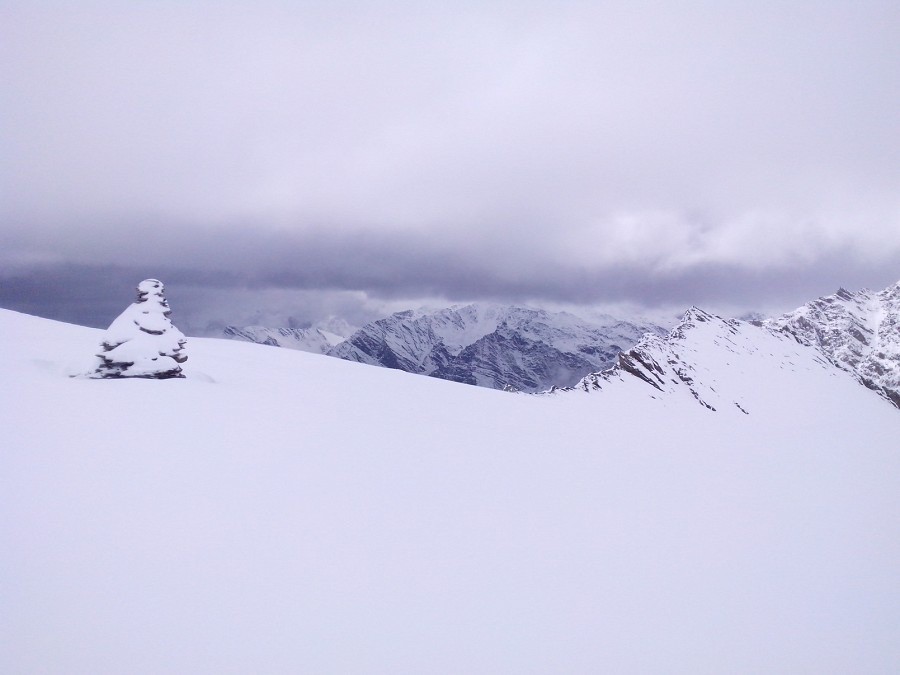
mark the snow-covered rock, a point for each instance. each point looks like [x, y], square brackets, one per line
[501, 347]
[859, 331]
[142, 342]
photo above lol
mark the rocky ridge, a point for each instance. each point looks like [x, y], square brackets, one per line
[716, 361]
[858, 331]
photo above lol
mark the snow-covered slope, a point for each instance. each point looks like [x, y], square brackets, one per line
[859, 331]
[282, 512]
[314, 340]
[492, 346]
[720, 363]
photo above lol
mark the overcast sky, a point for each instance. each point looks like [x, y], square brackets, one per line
[275, 159]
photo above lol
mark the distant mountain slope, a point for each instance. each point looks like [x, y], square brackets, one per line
[493, 346]
[859, 331]
[312, 340]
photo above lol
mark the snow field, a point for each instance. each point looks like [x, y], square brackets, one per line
[284, 512]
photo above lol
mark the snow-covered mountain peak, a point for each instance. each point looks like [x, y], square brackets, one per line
[693, 316]
[859, 331]
[724, 364]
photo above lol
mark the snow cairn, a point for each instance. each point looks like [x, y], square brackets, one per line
[142, 342]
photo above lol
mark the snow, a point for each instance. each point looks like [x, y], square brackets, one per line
[859, 331]
[141, 341]
[281, 512]
[724, 364]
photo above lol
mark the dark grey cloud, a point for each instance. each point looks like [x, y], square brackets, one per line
[380, 152]
[284, 280]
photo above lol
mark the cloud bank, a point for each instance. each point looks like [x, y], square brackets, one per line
[581, 153]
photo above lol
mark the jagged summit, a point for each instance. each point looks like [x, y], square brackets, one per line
[859, 331]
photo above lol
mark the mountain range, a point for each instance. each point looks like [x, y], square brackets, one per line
[501, 347]
[532, 350]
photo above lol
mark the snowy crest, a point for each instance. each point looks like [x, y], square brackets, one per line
[723, 364]
[859, 331]
[142, 342]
